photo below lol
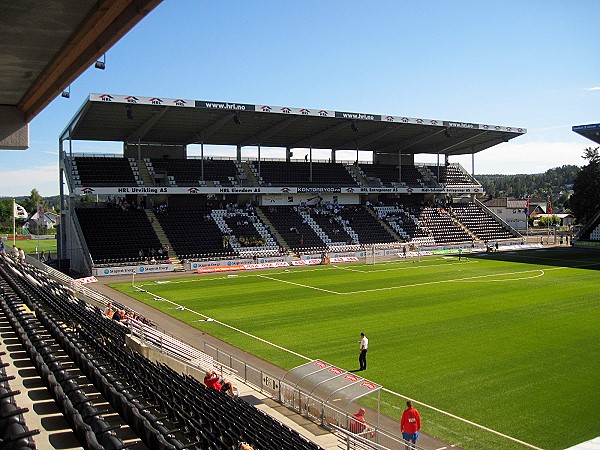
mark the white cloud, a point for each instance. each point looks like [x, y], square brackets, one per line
[595, 88]
[20, 182]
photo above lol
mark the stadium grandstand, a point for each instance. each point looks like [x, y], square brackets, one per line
[590, 233]
[173, 211]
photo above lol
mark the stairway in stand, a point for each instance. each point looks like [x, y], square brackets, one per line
[162, 237]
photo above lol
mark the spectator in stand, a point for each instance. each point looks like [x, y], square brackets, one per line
[212, 380]
[21, 256]
[15, 253]
[410, 424]
[244, 446]
[2, 247]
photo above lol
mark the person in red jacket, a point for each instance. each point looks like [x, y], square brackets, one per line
[357, 421]
[212, 380]
[410, 425]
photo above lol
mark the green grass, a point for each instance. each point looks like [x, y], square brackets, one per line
[509, 341]
[29, 245]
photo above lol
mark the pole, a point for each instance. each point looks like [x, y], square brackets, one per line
[14, 223]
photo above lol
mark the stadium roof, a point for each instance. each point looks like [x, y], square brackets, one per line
[44, 46]
[591, 131]
[132, 119]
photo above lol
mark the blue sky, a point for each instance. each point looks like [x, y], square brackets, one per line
[531, 64]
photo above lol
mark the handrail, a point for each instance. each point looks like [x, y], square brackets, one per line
[497, 218]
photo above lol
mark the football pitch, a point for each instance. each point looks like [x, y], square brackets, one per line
[510, 341]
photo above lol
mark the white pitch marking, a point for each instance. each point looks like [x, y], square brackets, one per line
[299, 284]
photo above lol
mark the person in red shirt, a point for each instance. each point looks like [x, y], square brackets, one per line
[212, 380]
[357, 421]
[410, 424]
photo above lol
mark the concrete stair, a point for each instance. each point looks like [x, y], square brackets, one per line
[144, 174]
[162, 237]
[385, 225]
[278, 237]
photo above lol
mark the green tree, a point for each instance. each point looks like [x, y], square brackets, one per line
[35, 199]
[585, 201]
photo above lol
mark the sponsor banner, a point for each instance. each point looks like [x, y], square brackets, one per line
[309, 189]
[124, 270]
[450, 124]
[412, 120]
[592, 126]
[298, 111]
[235, 262]
[344, 259]
[287, 199]
[500, 128]
[357, 116]
[307, 262]
[213, 269]
[269, 265]
[86, 280]
[225, 105]
[137, 100]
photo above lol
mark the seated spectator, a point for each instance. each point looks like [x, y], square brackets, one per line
[244, 446]
[212, 380]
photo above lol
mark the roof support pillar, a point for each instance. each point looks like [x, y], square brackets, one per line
[399, 166]
[333, 155]
[258, 161]
[202, 161]
[288, 155]
[310, 167]
[238, 153]
[473, 164]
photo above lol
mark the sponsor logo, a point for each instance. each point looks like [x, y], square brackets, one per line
[265, 108]
[370, 386]
[336, 370]
[323, 113]
[433, 122]
[87, 190]
[351, 377]
[193, 190]
[234, 106]
[179, 102]
[286, 110]
[319, 189]
[320, 364]
[131, 99]
[106, 98]
[461, 124]
[389, 118]
[348, 115]
[305, 111]
[156, 101]
[350, 189]
[419, 121]
[106, 271]
[285, 190]
[486, 127]
[141, 269]
[404, 119]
